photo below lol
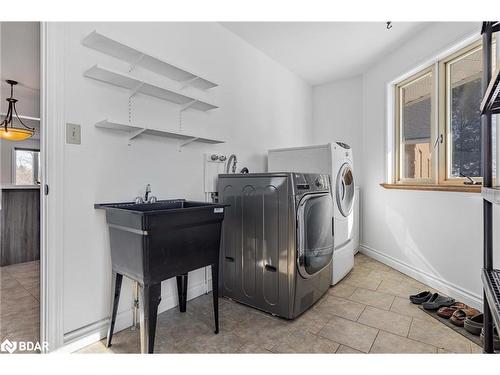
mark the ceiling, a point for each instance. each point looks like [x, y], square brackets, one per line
[20, 51]
[321, 52]
[20, 61]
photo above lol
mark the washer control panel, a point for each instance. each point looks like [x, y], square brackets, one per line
[311, 182]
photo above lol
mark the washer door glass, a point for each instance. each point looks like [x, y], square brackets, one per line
[345, 190]
[315, 233]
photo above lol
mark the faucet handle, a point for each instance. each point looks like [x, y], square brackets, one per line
[139, 200]
[152, 199]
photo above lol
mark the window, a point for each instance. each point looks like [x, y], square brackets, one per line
[462, 119]
[26, 166]
[438, 122]
[414, 100]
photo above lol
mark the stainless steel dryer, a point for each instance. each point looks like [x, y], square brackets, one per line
[277, 240]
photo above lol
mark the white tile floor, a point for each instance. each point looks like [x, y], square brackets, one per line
[367, 312]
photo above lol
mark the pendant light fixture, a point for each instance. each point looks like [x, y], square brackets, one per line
[7, 129]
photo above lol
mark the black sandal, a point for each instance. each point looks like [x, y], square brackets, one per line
[420, 298]
[437, 301]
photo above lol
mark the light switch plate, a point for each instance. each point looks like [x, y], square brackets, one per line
[73, 134]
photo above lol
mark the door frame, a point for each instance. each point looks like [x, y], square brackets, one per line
[52, 163]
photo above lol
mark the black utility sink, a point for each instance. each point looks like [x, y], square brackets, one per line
[152, 242]
[167, 205]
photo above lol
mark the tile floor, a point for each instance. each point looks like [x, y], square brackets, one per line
[19, 302]
[367, 312]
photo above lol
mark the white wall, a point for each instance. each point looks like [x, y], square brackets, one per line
[338, 116]
[435, 236]
[262, 106]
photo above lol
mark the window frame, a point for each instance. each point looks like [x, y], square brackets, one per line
[36, 165]
[398, 145]
[440, 149]
[444, 115]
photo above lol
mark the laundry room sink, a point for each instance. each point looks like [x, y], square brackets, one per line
[158, 216]
[166, 205]
[152, 242]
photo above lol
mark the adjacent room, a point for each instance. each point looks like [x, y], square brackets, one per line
[250, 187]
[20, 181]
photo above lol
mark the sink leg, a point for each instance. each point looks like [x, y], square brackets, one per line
[116, 286]
[215, 294]
[149, 299]
[182, 282]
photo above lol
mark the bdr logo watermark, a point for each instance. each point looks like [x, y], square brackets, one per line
[23, 346]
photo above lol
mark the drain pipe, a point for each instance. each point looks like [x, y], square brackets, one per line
[135, 307]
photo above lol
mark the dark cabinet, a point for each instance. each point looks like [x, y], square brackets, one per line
[20, 226]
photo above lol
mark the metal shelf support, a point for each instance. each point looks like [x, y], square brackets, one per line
[134, 63]
[136, 134]
[486, 161]
[134, 91]
[188, 142]
[188, 82]
[188, 105]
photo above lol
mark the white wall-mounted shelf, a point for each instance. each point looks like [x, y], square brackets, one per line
[137, 86]
[135, 58]
[136, 130]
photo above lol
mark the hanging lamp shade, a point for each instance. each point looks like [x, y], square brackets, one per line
[7, 129]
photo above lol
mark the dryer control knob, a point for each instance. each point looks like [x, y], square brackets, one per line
[318, 183]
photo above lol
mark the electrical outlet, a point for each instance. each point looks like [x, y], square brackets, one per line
[73, 134]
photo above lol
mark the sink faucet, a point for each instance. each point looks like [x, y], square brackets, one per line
[233, 159]
[148, 190]
[147, 198]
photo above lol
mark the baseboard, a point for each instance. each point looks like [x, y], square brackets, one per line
[434, 282]
[91, 333]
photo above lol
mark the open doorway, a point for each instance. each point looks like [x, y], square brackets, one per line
[20, 181]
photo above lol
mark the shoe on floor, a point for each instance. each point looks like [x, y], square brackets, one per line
[474, 324]
[420, 298]
[437, 301]
[447, 312]
[496, 339]
[459, 316]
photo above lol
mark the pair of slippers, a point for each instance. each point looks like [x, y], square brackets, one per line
[430, 301]
[474, 324]
[458, 313]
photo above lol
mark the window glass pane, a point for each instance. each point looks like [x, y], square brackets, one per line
[464, 118]
[416, 119]
[26, 167]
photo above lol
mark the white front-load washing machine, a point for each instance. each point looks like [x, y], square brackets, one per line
[344, 193]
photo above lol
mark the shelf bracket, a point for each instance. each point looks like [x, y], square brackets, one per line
[188, 82]
[136, 133]
[134, 91]
[188, 105]
[188, 142]
[133, 64]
